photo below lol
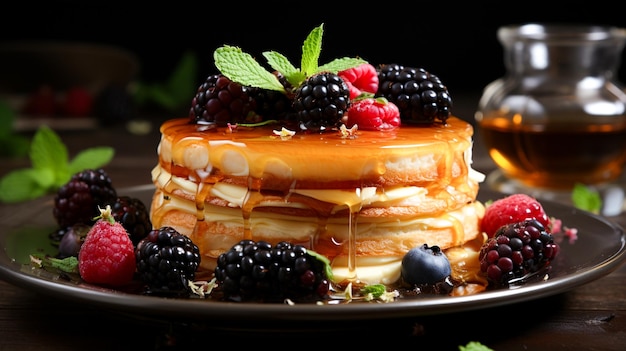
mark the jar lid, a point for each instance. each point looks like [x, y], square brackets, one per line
[560, 32]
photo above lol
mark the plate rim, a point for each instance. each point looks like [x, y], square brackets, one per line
[198, 308]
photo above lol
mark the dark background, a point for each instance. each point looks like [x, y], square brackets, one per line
[457, 42]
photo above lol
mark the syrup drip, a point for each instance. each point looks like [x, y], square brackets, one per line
[352, 245]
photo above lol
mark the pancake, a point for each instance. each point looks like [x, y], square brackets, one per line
[362, 199]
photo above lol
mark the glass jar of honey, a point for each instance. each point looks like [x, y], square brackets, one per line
[558, 115]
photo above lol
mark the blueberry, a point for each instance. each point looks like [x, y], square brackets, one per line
[425, 265]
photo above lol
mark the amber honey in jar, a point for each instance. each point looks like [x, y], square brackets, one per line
[557, 117]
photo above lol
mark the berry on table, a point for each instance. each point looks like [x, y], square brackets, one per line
[167, 261]
[373, 114]
[107, 255]
[510, 209]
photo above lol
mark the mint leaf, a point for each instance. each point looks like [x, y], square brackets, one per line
[311, 49]
[91, 158]
[327, 267]
[47, 150]
[242, 68]
[341, 64]
[377, 290]
[281, 64]
[23, 184]
[586, 198]
[68, 264]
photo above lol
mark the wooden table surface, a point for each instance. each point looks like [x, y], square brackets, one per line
[587, 317]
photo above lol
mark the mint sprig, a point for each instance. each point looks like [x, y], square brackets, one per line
[242, 68]
[50, 168]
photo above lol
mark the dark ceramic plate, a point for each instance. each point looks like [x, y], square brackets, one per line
[598, 251]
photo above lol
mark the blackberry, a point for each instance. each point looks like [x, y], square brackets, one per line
[166, 261]
[114, 105]
[516, 250]
[272, 104]
[221, 101]
[420, 96]
[321, 101]
[134, 216]
[254, 270]
[77, 201]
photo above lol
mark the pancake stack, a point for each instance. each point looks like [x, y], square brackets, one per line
[360, 198]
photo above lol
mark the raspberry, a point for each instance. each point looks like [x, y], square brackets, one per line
[77, 102]
[133, 214]
[42, 102]
[107, 255]
[220, 100]
[420, 96]
[77, 201]
[360, 79]
[255, 270]
[373, 114]
[166, 261]
[516, 250]
[321, 101]
[511, 209]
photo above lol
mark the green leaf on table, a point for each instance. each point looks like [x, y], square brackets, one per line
[585, 198]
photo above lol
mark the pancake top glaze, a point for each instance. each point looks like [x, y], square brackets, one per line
[411, 155]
